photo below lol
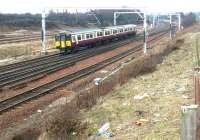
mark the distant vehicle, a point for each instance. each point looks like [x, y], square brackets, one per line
[71, 40]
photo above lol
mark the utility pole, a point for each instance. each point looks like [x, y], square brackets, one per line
[43, 33]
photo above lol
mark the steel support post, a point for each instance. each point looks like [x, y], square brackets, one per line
[170, 24]
[114, 19]
[145, 33]
[43, 33]
[154, 21]
[179, 22]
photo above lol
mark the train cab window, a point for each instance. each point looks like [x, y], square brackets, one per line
[83, 36]
[91, 35]
[73, 38]
[87, 36]
[62, 37]
[79, 37]
[68, 36]
[57, 38]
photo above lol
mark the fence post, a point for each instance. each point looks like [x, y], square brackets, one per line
[189, 122]
[197, 86]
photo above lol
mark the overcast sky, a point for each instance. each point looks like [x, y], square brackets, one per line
[36, 6]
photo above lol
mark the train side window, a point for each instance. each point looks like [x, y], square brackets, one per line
[91, 35]
[114, 31]
[87, 36]
[73, 38]
[79, 37]
[121, 30]
[83, 36]
[107, 33]
[126, 29]
[99, 33]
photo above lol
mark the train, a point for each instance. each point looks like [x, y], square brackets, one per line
[72, 40]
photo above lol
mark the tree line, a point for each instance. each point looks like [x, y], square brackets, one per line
[94, 17]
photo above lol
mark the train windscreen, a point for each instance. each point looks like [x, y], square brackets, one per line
[62, 37]
[57, 38]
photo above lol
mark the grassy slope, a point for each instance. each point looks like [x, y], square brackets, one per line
[161, 107]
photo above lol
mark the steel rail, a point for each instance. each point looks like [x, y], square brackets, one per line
[22, 74]
[11, 77]
[44, 89]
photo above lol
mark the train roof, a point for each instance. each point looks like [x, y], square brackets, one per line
[82, 30]
[120, 26]
[88, 30]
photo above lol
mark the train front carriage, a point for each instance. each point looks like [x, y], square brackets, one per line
[63, 41]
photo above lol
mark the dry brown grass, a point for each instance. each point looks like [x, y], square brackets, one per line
[161, 106]
[24, 50]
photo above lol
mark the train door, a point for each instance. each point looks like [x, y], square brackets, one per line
[68, 40]
[57, 41]
[63, 38]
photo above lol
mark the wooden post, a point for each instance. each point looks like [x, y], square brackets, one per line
[197, 52]
[189, 122]
[197, 86]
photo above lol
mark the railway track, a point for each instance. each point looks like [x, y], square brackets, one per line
[11, 75]
[44, 89]
[7, 40]
[48, 66]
